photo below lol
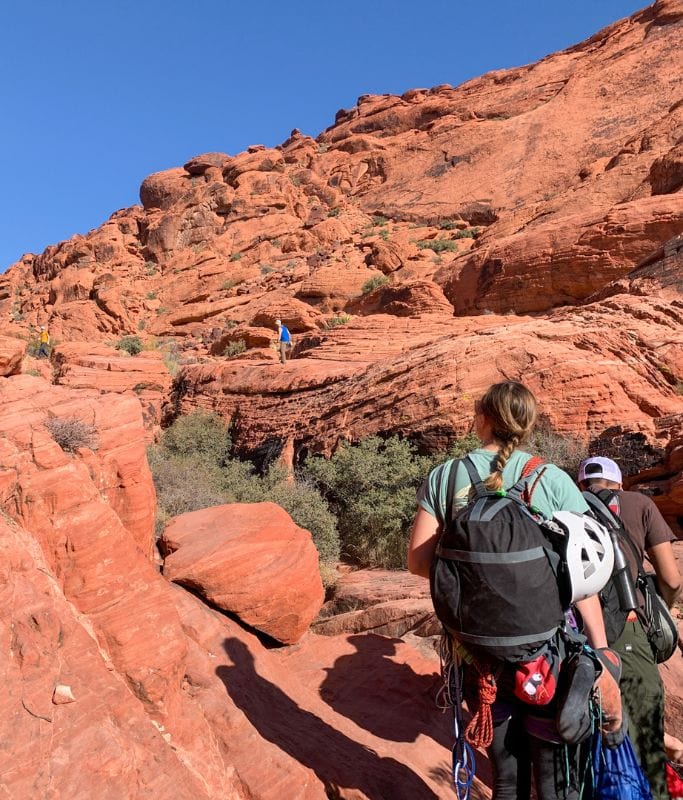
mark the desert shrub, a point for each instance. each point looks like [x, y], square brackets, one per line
[266, 269]
[374, 283]
[229, 284]
[151, 295]
[448, 225]
[235, 256]
[233, 349]
[71, 433]
[201, 434]
[193, 469]
[566, 452]
[459, 448]
[437, 245]
[184, 483]
[334, 212]
[130, 344]
[384, 235]
[307, 507]
[371, 488]
[378, 219]
[470, 233]
[335, 322]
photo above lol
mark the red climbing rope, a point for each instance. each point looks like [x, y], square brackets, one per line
[479, 732]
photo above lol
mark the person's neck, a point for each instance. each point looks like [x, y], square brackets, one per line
[491, 444]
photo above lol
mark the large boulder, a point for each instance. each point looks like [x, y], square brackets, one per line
[11, 353]
[250, 560]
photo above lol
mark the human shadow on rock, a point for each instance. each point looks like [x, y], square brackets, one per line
[386, 698]
[390, 699]
[337, 760]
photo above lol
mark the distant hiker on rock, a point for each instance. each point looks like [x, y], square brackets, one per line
[643, 529]
[44, 342]
[478, 534]
[284, 340]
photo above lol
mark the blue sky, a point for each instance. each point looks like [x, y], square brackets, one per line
[95, 95]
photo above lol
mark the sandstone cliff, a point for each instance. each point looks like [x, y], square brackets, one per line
[526, 225]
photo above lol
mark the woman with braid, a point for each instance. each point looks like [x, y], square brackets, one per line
[524, 737]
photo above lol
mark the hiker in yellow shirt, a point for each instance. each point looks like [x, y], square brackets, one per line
[44, 342]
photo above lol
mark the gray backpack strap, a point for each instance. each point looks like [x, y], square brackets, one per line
[450, 495]
[475, 479]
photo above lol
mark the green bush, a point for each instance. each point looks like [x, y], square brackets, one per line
[470, 233]
[371, 488]
[201, 434]
[448, 225]
[374, 283]
[193, 469]
[437, 245]
[130, 344]
[235, 256]
[378, 219]
[306, 506]
[233, 349]
[335, 322]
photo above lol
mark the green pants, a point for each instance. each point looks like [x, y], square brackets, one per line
[643, 696]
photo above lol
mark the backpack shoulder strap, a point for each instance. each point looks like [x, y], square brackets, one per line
[605, 515]
[475, 479]
[450, 493]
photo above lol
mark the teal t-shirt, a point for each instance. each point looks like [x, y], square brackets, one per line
[555, 491]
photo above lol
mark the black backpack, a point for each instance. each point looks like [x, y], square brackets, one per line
[494, 576]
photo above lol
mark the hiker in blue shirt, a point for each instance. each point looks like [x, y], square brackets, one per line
[284, 340]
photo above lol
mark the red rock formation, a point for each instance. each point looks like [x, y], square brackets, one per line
[245, 559]
[95, 740]
[516, 193]
[92, 366]
[11, 354]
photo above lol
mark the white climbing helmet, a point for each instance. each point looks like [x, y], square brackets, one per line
[589, 554]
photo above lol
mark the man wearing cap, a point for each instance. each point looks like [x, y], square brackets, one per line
[641, 685]
[284, 340]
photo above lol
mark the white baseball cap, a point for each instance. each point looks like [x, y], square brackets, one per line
[599, 467]
[278, 322]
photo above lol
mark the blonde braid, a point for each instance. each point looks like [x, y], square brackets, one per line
[494, 482]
